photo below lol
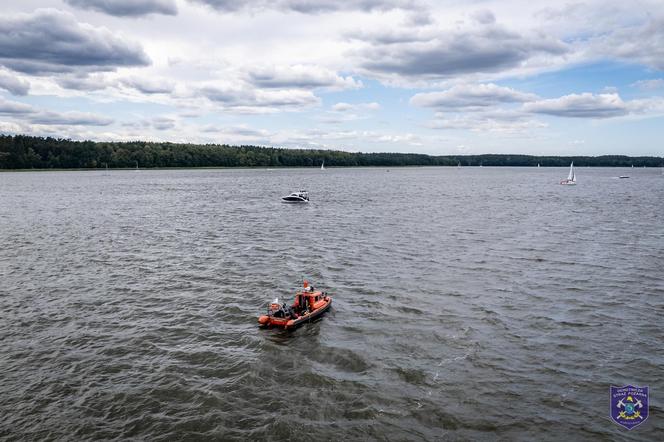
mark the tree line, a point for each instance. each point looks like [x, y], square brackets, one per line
[28, 152]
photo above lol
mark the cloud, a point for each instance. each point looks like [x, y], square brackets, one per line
[487, 49]
[344, 112]
[471, 96]
[347, 107]
[33, 115]
[149, 85]
[308, 6]
[11, 83]
[484, 16]
[161, 123]
[234, 131]
[52, 41]
[642, 42]
[617, 31]
[70, 118]
[496, 121]
[128, 8]
[83, 81]
[300, 77]
[252, 100]
[585, 105]
[388, 36]
[649, 85]
[14, 108]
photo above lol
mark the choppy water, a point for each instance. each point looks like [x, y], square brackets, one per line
[468, 304]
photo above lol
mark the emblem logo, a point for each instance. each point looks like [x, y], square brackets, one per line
[629, 405]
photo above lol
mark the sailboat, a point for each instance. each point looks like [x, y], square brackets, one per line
[538, 165]
[571, 178]
[322, 166]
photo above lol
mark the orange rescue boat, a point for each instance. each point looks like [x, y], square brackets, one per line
[309, 304]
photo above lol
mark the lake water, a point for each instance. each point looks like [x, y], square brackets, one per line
[469, 304]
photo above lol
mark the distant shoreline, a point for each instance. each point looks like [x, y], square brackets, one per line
[129, 169]
[21, 153]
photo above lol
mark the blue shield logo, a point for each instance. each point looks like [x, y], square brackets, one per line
[629, 405]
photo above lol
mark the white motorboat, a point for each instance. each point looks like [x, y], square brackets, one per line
[571, 178]
[296, 197]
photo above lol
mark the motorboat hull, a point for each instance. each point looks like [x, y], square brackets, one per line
[290, 323]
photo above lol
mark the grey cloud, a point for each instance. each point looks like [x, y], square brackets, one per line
[584, 105]
[484, 16]
[128, 8]
[83, 82]
[308, 6]
[70, 118]
[14, 85]
[419, 17]
[50, 41]
[485, 50]
[257, 100]
[14, 108]
[471, 96]
[388, 36]
[159, 123]
[300, 77]
[246, 131]
[163, 123]
[149, 85]
[33, 115]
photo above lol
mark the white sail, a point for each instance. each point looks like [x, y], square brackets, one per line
[571, 176]
[322, 166]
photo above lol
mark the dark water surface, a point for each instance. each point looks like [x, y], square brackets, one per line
[469, 304]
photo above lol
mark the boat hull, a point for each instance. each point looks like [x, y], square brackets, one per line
[288, 323]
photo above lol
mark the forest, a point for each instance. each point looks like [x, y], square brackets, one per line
[29, 152]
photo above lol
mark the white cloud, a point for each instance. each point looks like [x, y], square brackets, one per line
[497, 121]
[649, 85]
[347, 107]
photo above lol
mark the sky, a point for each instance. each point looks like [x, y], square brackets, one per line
[443, 77]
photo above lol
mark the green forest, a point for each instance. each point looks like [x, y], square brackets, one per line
[28, 152]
